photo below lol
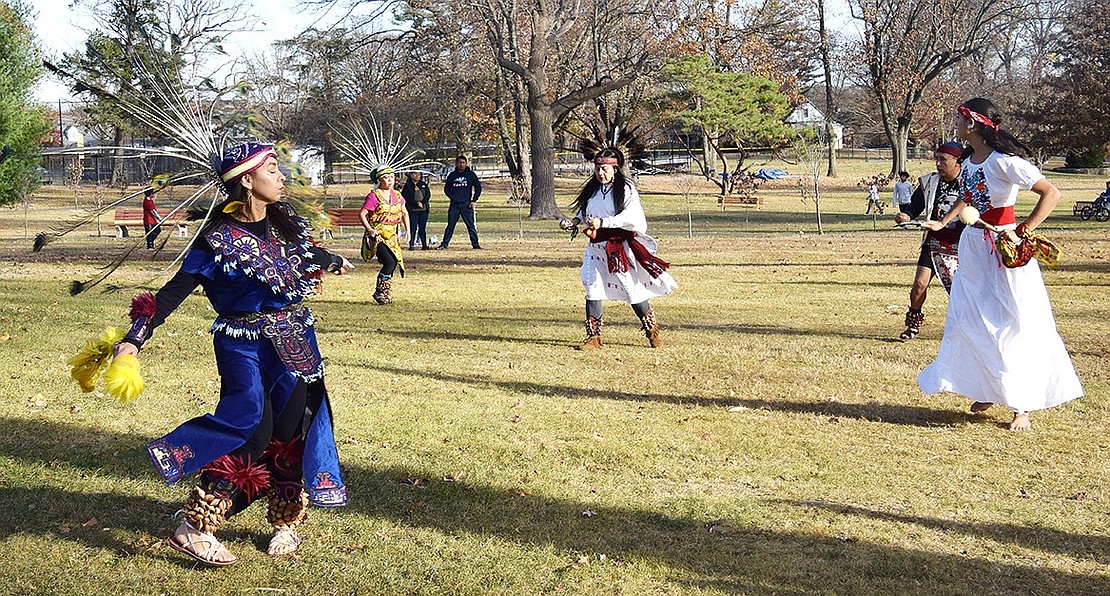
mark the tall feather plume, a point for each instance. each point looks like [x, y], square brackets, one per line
[372, 149]
[611, 132]
[152, 95]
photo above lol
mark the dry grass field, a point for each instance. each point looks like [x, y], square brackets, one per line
[777, 444]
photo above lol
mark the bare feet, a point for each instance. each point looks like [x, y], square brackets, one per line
[981, 406]
[201, 546]
[283, 542]
[1021, 422]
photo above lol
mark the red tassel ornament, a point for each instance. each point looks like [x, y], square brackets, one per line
[142, 305]
[252, 479]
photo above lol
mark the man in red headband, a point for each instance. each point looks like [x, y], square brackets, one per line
[935, 195]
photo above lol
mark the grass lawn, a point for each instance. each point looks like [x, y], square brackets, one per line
[777, 444]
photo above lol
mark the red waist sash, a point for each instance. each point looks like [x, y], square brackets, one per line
[999, 216]
[617, 259]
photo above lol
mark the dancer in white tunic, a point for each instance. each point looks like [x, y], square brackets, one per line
[1000, 342]
[620, 261]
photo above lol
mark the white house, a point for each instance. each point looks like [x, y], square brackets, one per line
[807, 114]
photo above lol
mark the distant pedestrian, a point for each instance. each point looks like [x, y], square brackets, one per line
[152, 220]
[903, 190]
[873, 199]
[417, 197]
[463, 189]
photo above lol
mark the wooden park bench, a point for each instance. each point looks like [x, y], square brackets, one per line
[345, 216]
[739, 201]
[130, 216]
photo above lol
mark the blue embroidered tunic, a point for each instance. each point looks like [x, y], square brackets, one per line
[264, 343]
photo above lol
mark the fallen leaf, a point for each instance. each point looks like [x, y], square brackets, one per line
[92, 521]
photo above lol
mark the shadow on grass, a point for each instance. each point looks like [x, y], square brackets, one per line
[735, 558]
[869, 412]
[453, 336]
[756, 329]
[1079, 546]
[721, 554]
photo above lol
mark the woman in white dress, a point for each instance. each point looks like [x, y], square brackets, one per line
[620, 261]
[1000, 342]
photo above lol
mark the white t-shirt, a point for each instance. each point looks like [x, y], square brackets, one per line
[995, 182]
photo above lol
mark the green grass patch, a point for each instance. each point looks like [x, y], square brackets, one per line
[777, 444]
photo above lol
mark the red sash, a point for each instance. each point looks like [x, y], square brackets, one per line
[999, 216]
[616, 257]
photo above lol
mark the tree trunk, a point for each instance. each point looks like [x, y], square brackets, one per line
[543, 204]
[898, 145]
[892, 126]
[464, 142]
[826, 63]
[117, 180]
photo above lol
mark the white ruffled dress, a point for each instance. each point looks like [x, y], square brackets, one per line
[1000, 340]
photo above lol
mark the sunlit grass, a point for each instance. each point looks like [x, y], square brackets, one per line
[777, 443]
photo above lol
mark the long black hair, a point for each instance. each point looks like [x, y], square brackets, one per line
[591, 186]
[285, 222]
[996, 138]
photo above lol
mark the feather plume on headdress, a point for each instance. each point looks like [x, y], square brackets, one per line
[614, 134]
[159, 100]
[374, 152]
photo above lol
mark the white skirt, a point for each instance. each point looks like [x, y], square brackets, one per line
[633, 286]
[1000, 340]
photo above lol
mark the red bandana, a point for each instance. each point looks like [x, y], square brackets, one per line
[976, 116]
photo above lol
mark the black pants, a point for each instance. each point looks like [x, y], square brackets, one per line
[454, 212]
[387, 259]
[594, 308]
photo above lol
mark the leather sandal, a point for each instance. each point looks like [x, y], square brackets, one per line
[283, 542]
[211, 546]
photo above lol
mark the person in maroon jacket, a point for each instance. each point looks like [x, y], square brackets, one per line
[152, 220]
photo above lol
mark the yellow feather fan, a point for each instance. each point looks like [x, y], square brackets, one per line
[123, 379]
[93, 357]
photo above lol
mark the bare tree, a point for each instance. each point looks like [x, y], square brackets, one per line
[563, 60]
[830, 111]
[908, 44]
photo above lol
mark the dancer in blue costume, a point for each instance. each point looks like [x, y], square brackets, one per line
[271, 434]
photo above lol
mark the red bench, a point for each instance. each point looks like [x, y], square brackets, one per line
[342, 216]
[130, 216]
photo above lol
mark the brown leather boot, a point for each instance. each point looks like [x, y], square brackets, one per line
[651, 329]
[593, 334]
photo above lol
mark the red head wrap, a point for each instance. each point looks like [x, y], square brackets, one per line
[976, 116]
[606, 160]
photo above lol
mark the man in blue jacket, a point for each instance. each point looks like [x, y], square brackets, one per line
[463, 189]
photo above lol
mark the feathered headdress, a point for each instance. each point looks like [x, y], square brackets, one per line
[188, 115]
[374, 152]
[612, 135]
